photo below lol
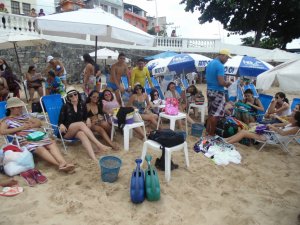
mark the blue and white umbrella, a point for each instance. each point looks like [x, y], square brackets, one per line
[177, 64]
[246, 66]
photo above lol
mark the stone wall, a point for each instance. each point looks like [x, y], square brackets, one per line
[69, 54]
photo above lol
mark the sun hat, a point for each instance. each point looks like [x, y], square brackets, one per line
[14, 102]
[225, 52]
[70, 89]
[49, 58]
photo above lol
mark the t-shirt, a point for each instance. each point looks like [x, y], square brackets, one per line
[214, 69]
[140, 76]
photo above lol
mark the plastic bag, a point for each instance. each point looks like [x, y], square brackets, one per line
[171, 107]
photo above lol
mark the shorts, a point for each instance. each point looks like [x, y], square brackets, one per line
[216, 103]
[63, 77]
[113, 86]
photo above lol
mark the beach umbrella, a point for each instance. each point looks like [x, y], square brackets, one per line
[245, 66]
[96, 22]
[278, 55]
[161, 55]
[180, 63]
[286, 74]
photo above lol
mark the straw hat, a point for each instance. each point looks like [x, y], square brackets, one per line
[70, 89]
[14, 102]
[225, 52]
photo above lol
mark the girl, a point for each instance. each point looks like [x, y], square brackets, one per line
[279, 106]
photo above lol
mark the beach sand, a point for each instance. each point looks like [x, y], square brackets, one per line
[263, 190]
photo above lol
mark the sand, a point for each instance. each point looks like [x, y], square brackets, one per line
[263, 190]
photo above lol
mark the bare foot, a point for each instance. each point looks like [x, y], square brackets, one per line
[115, 147]
[68, 168]
[9, 183]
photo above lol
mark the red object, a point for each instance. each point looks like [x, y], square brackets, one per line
[13, 148]
[38, 176]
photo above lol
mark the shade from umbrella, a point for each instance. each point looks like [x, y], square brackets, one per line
[97, 22]
[180, 63]
[246, 66]
[9, 40]
[278, 55]
[287, 75]
[161, 55]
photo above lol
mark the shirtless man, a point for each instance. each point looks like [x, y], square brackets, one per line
[117, 70]
[58, 68]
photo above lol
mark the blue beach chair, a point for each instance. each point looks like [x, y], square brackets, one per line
[295, 102]
[125, 82]
[2, 109]
[178, 89]
[265, 101]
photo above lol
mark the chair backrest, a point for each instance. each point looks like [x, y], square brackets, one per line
[178, 89]
[2, 109]
[161, 94]
[147, 85]
[185, 83]
[125, 82]
[52, 104]
[265, 101]
[148, 90]
[154, 81]
[252, 88]
[295, 102]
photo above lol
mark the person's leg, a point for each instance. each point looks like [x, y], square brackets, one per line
[31, 93]
[244, 134]
[86, 144]
[106, 126]
[43, 153]
[139, 132]
[118, 96]
[55, 152]
[102, 132]
[40, 91]
[152, 118]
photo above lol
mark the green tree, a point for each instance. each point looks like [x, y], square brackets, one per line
[265, 42]
[278, 19]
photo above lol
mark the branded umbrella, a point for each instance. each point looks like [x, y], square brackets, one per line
[245, 66]
[180, 63]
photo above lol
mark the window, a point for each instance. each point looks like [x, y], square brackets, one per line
[114, 11]
[26, 8]
[104, 7]
[15, 7]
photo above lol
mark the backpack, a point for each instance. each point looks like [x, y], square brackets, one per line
[167, 138]
[226, 128]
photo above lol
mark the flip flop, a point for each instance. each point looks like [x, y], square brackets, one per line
[38, 176]
[28, 178]
[68, 168]
[11, 191]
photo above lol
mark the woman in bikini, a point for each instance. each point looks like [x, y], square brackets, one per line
[74, 123]
[139, 100]
[34, 82]
[89, 78]
[22, 124]
[96, 115]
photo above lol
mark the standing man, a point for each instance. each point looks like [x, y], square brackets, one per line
[215, 90]
[139, 74]
[117, 70]
[59, 69]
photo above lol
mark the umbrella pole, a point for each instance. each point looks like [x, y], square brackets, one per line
[20, 70]
[96, 43]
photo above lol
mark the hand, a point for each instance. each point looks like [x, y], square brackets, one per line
[121, 89]
[63, 129]
[228, 83]
[27, 126]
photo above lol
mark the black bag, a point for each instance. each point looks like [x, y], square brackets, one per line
[225, 128]
[167, 138]
[36, 107]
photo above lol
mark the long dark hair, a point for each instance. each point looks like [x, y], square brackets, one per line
[99, 103]
[7, 69]
[195, 90]
[137, 87]
[153, 91]
[88, 59]
[103, 93]
[297, 118]
[282, 95]
[168, 87]
[30, 68]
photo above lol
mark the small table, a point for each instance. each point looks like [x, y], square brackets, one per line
[173, 119]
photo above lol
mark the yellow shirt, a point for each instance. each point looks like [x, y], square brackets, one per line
[140, 76]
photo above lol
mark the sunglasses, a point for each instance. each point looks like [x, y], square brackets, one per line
[276, 97]
[71, 95]
[155, 95]
[95, 96]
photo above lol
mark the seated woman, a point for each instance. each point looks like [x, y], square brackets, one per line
[21, 125]
[54, 84]
[74, 123]
[3, 89]
[34, 82]
[156, 101]
[110, 103]
[281, 131]
[99, 124]
[139, 100]
[255, 106]
[279, 106]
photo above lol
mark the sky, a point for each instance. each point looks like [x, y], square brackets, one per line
[186, 23]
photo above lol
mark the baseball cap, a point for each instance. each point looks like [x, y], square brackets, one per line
[49, 58]
[225, 52]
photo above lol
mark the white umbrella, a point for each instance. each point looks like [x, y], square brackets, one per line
[278, 55]
[287, 75]
[105, 53]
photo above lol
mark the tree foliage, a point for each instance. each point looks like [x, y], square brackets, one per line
[265, 42]
[279, 19]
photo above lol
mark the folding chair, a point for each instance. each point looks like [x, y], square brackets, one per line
[265, 101]
[125, 82]
[295, 102]
[274, 140]
[52, 104]
[185, 83]
[252, 88]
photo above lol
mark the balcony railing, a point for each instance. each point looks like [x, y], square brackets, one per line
[17, 23]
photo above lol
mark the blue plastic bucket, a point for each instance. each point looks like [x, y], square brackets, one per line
[197, 129]
[110, 167]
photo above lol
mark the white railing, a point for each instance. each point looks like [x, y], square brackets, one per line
[17, 23]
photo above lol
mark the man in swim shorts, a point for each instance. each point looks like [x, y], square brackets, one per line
[59, 69]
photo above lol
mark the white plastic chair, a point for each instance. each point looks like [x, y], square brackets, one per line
[168, 152]
[173, 119]
[201, 109]
[127, 130]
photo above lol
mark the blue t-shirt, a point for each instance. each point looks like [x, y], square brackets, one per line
[214, 69]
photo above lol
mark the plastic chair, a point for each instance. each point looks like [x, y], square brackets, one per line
[52, 104]
[127, 130]
[201, 109]
[168, 152]
[295, 102]
[173, 119]
[125, 82]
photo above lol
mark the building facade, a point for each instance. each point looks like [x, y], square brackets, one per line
[20, 7]
[114, 7]
[135, 16]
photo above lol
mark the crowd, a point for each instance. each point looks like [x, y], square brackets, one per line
[83, 117]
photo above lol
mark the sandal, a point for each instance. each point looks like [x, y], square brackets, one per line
[28, 178]
[11, 191]
[38, 176]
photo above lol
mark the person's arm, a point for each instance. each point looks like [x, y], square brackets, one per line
[4, 130]
[148, 76]
[130, 101]
[35, 123]
[88, 70]
[271, 108]
[259, 106]
[284, 132]
[222, 81]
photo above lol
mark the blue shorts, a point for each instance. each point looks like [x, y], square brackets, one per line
[113, 86]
